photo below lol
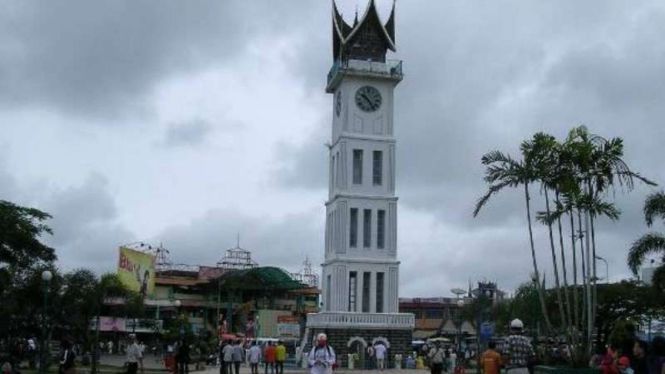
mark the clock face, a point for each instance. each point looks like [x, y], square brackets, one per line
[338, 103]
[368, 99]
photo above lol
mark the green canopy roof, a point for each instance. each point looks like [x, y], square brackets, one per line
[260, 278]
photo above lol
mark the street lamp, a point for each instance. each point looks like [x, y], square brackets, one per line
[607, 268]
[46, 278]
[460, 319]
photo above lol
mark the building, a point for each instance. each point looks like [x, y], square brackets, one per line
[437, 316]
[234, 297]
[360, 277]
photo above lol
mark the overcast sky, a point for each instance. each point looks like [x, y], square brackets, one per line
[188, 122]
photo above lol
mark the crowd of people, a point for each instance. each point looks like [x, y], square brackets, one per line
[633, 357]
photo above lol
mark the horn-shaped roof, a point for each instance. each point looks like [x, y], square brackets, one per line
[369, 28]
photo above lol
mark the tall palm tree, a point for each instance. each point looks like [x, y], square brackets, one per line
[503, 171]
[599, 167]
[542, 151]
[651, 243]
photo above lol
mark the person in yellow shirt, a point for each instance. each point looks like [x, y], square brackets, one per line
[280, 357]
[491, 360]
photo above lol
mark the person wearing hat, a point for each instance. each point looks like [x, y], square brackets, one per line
[518, 349]
[134, 356]
[322, 357]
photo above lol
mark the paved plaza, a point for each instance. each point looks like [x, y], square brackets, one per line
[151, 363]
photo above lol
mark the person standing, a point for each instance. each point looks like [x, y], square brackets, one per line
[222, 363]
[270, 355]
[109, 346]
[518, 349]
[370, 357]
[322, 357]
[67, 358]
[280, 357]
[436, 358]
[380, 351]
[656, 359]
[184, 357]
[228, 358]
[490, 361]
[453, 360]
[32, 352]
[238, 354]
[254, 357]
[134, 356]
[639, 362]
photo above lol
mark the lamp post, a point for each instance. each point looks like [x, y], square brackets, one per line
[460, 319]
[43, 355]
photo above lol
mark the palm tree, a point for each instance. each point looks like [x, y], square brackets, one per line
[651, 243]
[599, 168]
[503, 171]
[542, 151]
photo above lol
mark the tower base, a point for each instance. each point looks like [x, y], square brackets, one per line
[352, 333]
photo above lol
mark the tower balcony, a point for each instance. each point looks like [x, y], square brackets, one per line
[391, 69]
[345, 320]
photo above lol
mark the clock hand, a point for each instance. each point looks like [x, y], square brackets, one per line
[369, 102]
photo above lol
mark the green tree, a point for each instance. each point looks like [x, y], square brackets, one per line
[543, 150]
[650, 243]
[503, 171]
[21, 229]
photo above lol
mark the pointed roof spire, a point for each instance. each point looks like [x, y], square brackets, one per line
[355, 20]
[371, 27]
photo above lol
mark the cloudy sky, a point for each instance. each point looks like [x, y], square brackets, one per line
[188, 122]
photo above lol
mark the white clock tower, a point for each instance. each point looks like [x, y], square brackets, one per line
[361, 271]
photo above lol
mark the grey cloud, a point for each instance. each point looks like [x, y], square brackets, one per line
[285, 242]
[190, 133]
[102, 59]
[85, 227]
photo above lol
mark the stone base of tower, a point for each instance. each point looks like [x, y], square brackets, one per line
[350, 333]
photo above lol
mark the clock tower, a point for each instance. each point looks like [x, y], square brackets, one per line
[361, 272]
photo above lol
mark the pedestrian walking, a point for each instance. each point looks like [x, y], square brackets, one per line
[228, 358]
[280, 357]
[437, 359]
[270, 355]
[254, 357]
[134, 356]
[380, 351]
[322, 358]
[518, 349]
[238, 354]
[639, 363]
[490, 361]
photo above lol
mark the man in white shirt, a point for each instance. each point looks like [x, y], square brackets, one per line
[134, 356]
[254, 357]
[322, 357]
[380, 351]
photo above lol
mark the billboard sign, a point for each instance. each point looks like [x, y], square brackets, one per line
[136, 271]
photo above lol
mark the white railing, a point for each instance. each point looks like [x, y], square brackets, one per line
[363, 320]
[390, 68]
